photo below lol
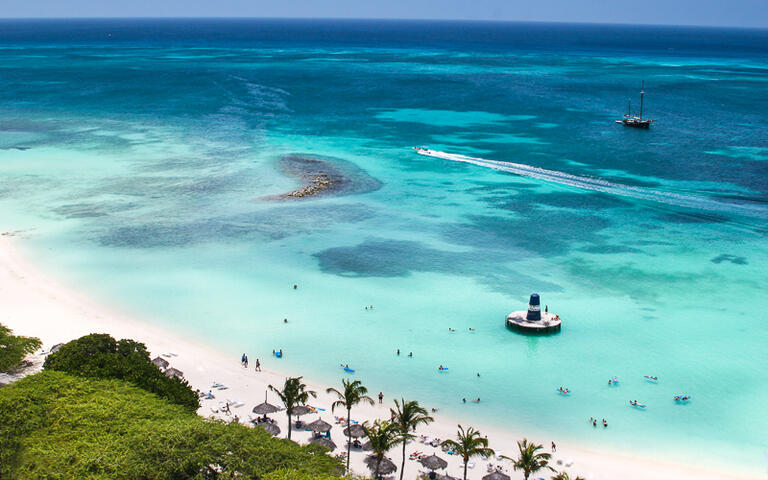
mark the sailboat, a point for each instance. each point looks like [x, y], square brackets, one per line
[635, 121]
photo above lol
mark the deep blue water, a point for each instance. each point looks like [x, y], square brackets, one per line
[135, 155]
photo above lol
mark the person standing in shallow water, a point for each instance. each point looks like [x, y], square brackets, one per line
[381, 397]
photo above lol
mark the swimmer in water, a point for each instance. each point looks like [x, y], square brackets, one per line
[285, 320]
[464, 400]
[478, 400]
[471, 329]
[478, 374]
[440, 367]
[398, 351]
[410, 354]
[295, 286]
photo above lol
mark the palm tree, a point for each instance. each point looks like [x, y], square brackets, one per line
[352, 394]
[565, 476]
[530, 460]
[293, 394]
[407, 416]
[470, 444]
[383, 435]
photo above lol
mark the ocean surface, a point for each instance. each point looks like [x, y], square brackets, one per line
[144, 162]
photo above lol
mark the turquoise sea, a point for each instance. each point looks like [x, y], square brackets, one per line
[136, 157]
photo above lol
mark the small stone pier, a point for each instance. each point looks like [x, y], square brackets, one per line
[533, 320]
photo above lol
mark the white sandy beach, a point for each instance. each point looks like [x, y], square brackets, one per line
[35, 304]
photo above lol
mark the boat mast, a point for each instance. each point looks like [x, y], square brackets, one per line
[642, 92]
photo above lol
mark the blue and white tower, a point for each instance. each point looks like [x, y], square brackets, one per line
[534, 309]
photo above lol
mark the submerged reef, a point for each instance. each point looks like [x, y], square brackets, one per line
[320, 175]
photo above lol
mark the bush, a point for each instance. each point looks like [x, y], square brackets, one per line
[57, 426]
[13, 349]
[101, 356]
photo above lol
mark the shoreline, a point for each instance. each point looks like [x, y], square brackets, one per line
[36, 305]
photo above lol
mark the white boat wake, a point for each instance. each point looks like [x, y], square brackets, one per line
[692, 201]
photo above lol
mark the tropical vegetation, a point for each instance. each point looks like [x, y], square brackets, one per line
[351, 394]
[565, 476]
[55, 425]
[469, 443]
[530, 459]
[406, 417]
[14, 348]
[101, 356]
[382, 435]
[293, 394]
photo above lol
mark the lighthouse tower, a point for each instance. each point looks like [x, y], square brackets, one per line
[534, 309]
[533, 320]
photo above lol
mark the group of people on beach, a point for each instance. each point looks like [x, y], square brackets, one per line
[244, 362]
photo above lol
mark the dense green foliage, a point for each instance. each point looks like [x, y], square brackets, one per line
[382, 435]
[13, 349]
[101, 356]
[58, 426]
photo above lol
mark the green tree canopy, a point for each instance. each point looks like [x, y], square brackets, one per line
[13, 348]
[101, 356]
[58, 426]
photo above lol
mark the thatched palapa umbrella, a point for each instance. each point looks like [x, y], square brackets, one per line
[265, 409]
[319, 426]
[270, 428]
[326, 442]
[386, 467]
[301, 410]
[355, 430]
[496, 476]
[433, 462]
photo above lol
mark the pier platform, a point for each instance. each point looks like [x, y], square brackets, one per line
[518, 322]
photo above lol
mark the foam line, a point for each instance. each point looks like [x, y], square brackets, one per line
[596, 184]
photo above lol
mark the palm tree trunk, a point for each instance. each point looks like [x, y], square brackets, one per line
[465, 470]
[289, 426]
[378, 464]
[349, 435]
[402, 465]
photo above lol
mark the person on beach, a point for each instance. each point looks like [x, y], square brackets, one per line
[546, 308]
[245, 363]
[381, 397]
[554, 447]
[242, 360]
[258, 365]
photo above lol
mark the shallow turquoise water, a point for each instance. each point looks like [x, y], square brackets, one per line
[137, 170]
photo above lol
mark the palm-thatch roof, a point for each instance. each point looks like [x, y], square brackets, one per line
[271, 428]
[386, 466]
[433, 462]
[56, 348]
[265, 409]
[319, 426]
[160, 363]
[301, 410]
[355, 430]
[326, 442]
[173, 372]
[496, 476]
